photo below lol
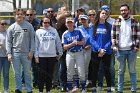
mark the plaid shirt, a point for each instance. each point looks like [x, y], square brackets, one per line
[135, 33]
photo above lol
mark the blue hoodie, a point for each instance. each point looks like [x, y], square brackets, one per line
[102, 39]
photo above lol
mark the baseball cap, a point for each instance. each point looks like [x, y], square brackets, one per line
[69, 19]
[45, 11]
[105, 7]
[83, 16]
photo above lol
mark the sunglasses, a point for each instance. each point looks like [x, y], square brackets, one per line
[3, 24]
[91, 15]
[46, 22]
[29, 14]
[50, 11]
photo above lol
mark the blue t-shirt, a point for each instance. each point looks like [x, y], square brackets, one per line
[102, 39]
[68, 37]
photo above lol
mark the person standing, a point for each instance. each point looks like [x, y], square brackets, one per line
[48, 52]
[125, 40]
[73, 42]
[101, 48]
[4, 64]
[20, 48]
[112, 68]
[30, 17]
[61, 28]
[85, 29]
[91, 15]
[49, 12]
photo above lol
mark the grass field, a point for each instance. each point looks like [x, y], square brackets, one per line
[126, 87]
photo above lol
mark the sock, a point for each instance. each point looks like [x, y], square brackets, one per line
[83, 83]
[69, 85]
[76, 82]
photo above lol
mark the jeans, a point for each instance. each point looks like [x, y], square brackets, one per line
[112, 71]
[20, 59]
[5, 66]
[129, 56]
[35, 72]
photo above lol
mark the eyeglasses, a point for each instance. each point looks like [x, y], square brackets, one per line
[46, 22]
[50, 11]
[3, 24]
[91, 15]
[29, 14]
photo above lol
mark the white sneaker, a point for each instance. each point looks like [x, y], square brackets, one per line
[87, 82]
[40, 92]
[99, 88]
[83, 91]
[5, 91]
[23, 86]
[113, 89]
[48, 92]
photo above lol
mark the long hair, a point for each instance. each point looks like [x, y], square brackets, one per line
[96, 22]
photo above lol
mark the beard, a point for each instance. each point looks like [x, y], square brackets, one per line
[125, 15]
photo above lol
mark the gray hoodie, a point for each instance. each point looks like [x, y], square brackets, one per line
[48, 43]
[2, 44]
[20, 38]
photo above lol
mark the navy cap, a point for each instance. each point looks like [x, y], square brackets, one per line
[105, 7]
[83, 16]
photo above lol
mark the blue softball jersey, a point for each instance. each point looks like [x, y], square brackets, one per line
[68, 37]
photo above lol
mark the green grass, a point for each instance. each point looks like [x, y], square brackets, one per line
[126, 86]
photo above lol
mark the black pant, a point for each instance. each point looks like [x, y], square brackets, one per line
[46, 71]
[35, 72]
[106, 59]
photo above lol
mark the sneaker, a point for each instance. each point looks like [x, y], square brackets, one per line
[75, 89]
[94, 91]
[113, 89]
[88, 84]
[133, 91]
[109, 91]
[83, 91]
[5, 91]
[99, 88]
[48, 92]
[63, 89]
[23, 86]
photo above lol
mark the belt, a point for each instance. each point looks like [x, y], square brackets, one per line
[74, 51]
